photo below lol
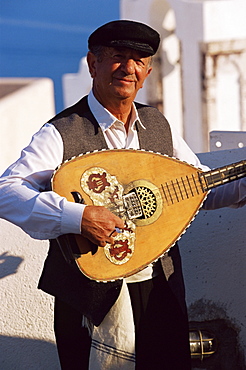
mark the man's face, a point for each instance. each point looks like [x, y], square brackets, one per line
[118, 74]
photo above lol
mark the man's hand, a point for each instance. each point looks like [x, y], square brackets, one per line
[98, 225]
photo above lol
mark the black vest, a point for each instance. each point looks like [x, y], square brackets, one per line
[81, 133]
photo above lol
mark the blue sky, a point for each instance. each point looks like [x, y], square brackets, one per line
[41, 38]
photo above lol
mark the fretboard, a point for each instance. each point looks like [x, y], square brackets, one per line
[222, 175]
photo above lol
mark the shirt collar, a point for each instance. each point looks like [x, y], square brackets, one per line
[106, 119]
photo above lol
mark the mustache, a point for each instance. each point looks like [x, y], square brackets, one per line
[128, 78]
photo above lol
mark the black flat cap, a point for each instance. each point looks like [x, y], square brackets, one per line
[129, 34]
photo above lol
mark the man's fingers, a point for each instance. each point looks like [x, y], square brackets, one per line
[102, 244]
[99, 225]
[109, 239]
[113, 233]
[119, 223]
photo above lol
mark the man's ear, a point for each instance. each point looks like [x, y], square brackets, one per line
[149, 71]
[91, 59]
[147, 74]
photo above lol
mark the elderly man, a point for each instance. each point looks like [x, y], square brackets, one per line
[93, 320]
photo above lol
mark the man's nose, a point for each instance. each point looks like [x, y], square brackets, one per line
[128, 66]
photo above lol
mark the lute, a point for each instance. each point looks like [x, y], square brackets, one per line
[156, 195]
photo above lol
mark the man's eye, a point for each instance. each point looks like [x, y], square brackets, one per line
[140, 62]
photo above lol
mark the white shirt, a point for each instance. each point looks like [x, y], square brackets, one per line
[45, 214]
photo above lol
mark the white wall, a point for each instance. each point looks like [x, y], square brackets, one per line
[184, 25]
[202, 22]
[26, 325]
[76, 85]
[22, 113]
[214, 256]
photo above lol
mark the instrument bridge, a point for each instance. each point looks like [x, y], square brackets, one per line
[143, 202]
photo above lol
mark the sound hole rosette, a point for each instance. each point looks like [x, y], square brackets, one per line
[150, 199]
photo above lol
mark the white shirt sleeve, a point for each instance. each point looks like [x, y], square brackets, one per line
[40, 213]
[182, 151]
[229, 195]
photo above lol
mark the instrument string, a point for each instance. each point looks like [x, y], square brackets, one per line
[180, 189]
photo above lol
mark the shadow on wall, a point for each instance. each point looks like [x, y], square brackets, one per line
[9, 264]
[39, 355]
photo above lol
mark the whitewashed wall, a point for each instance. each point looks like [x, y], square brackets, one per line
[26, 325]
[186, 26]
[22, 113]
[213, 250]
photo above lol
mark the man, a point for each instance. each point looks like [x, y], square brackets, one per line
[86, 311]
